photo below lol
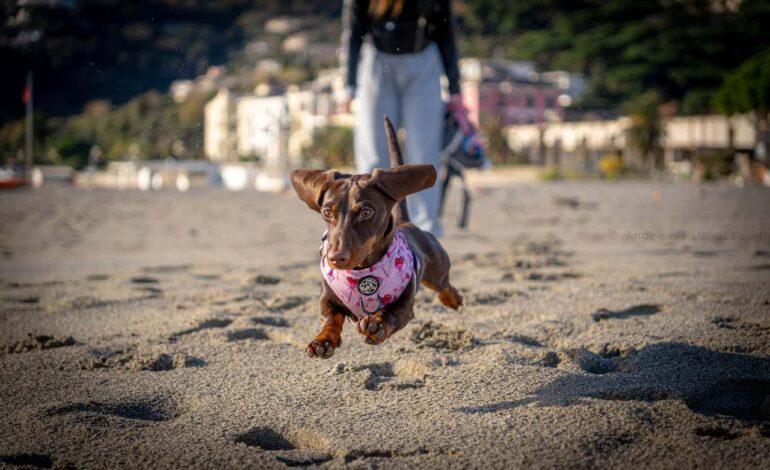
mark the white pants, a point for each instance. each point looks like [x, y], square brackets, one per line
[407, 88]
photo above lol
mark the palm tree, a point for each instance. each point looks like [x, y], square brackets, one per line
[646, 130]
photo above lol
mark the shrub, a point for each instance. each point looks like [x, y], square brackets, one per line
[714, 166]
[497, 148]
[611, 166]
[334, 146]
[551, 173]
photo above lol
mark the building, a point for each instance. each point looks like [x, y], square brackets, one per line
[180, 90]
[213, 79]
[579, 145]
[511, 92]
[272, 125]
[219, 131]
[259, 123]
[572, 86]
[312, 108]
[245, 126]
[685, 136]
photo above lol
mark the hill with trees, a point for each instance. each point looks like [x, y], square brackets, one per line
[96, 62]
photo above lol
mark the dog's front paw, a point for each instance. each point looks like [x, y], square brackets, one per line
[374, 329]
[321, 348]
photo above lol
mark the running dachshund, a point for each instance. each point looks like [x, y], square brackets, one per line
[373, 258]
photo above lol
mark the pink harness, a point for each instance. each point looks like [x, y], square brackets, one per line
[365, 291]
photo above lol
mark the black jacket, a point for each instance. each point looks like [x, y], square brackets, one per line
[402, 34]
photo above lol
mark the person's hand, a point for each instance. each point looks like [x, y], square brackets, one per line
[460, 113]
[344, 104]
[345, 100]
[474, 144]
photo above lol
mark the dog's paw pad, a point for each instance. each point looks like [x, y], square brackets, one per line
[372, 329]
[322, 349]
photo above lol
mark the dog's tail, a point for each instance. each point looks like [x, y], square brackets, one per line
[396, 159]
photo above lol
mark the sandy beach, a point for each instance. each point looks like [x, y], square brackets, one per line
[613, 324]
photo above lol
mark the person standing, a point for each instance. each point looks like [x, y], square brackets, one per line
[394, 53]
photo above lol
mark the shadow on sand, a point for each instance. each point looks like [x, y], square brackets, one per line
[708, 382]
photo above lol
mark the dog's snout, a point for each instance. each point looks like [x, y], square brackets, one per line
[339, 257]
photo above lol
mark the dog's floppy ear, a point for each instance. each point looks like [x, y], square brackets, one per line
[311, 185]
[404, 180]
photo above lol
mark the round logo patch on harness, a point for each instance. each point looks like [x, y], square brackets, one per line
[368, 285]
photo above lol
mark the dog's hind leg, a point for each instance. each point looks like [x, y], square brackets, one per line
[447, 293]
[436, 274]
[450, 297]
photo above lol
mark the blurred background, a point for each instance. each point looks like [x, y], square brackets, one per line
[158, 292]
[179, 93]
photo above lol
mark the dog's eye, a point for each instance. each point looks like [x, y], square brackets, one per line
[327, 213]
[366, 213]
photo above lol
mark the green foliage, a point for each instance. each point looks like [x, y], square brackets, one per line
[116, 50]
[71, 150]
[551, 173]
[747, 89]
[333, 146]
[697, 101]
[11, 139]
[646, 129]
[150, 125]
[626, 48]
[714, 166]
[496, 146]
[294, 75]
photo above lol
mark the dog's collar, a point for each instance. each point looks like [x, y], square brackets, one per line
[365, 291]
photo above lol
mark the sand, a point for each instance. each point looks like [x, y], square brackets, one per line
[606, 324]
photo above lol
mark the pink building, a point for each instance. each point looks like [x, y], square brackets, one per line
[511, 92]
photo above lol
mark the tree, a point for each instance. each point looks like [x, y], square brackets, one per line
[747, 90]
[646, 129]
[497, 148]
[333, 146]
[679, 48]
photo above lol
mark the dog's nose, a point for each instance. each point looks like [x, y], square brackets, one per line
[339, 258]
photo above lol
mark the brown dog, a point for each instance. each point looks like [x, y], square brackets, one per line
[367, 218]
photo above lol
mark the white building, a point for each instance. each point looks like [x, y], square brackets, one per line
[581, 143]
[219, 141]
[259, 122]
[573, 86]
[276, 129]
[688, 133]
